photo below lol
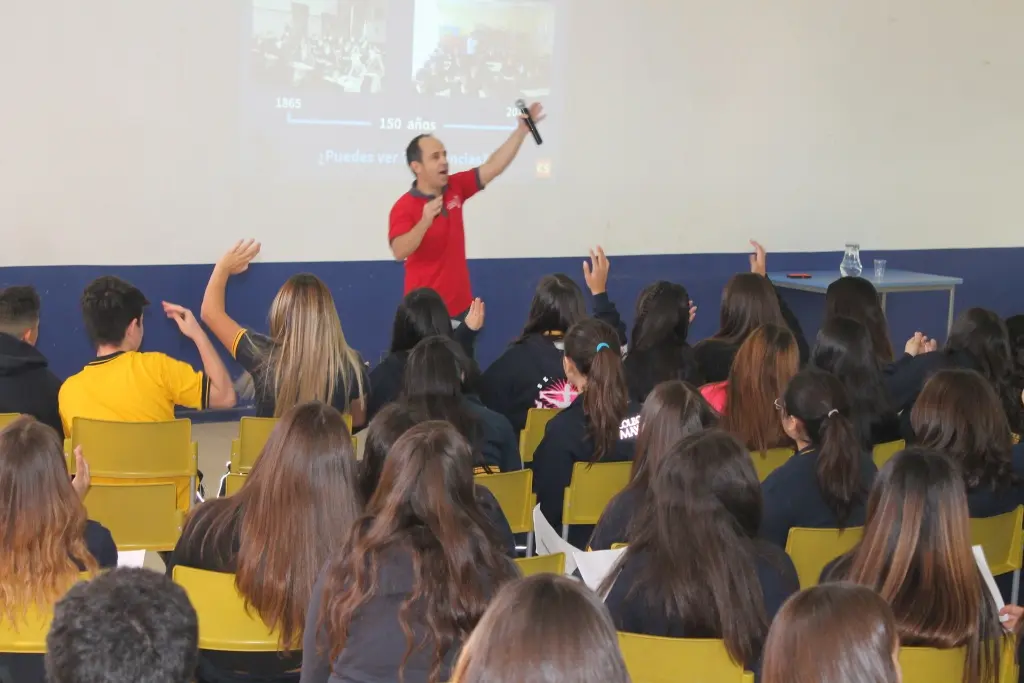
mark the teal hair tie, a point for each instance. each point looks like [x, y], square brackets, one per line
[600, 346]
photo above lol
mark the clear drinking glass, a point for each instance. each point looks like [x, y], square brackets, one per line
[879, 269]
[851, 266]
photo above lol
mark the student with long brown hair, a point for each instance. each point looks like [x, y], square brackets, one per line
[916, 553]
[765, 363]
[959, 414]
[414, 575]
[694, 567]
[47, 539]
[824, 485]
[857, 298]
[543, 629]
[659, 349]
[749, 301]
[672, 410]
[601, 425]
[304, 358]
[833, 633]
[275, 534]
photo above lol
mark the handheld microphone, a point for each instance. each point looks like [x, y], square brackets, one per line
[529, 121]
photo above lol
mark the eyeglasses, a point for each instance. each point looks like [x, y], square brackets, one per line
[779, 405]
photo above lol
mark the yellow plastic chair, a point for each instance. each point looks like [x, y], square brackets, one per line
[883, 452]
[769, 461]
[542, 564]
[651, 659]
[224, 622]
[233, 482]
[590, 489]
[1000, 538]
[140, 516]
[812, 549]
[253, 433]
[8, 418]
[930, 665]
[514, 493]
[28, 634]
[536, 422]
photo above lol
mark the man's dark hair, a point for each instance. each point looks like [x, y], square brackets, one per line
[109, 305]
[414, 152]
[19, 309]
[125, 626]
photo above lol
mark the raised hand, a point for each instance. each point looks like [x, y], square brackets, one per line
[238, 258]
[759, 259]
[595, 272]
[916, 344]
[82, 480]
[475, 317]
[693, 311]
[187, 322]
[536, 112]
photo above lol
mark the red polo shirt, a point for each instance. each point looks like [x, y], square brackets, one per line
[440, 261]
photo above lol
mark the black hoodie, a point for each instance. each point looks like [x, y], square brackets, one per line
[26, 384]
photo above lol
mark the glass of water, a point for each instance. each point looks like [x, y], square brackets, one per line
[879, 269]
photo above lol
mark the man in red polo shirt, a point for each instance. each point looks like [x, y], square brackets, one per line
[426, 228]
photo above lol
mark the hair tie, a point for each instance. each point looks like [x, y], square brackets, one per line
[834, 411]
[600, 346]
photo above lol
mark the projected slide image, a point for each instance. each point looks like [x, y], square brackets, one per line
[320, 46]
[483, 48]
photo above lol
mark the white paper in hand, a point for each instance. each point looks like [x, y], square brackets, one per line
[549, 542]
[131, 558]
[990, 581]
[596, 565]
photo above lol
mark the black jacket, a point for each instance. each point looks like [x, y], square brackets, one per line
[499, 444]
[613, 527]
[26, 384]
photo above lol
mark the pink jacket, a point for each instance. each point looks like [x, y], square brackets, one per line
[715, 394]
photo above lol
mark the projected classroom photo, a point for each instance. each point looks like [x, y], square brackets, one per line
[483, 49]
[320, 45]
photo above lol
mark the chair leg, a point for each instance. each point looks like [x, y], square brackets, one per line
[565, 532]
[1016, 587]
[529, 544]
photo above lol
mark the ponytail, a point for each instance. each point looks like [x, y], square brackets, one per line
[838, 471]
[593, 346]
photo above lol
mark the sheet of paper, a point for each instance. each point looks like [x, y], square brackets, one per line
[548, 541]
[596, 565]
[131, 558]
[990, 581]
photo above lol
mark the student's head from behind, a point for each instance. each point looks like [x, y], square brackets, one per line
[816, 413]
[42, 517]
[593, 363]
[703, 494]
[112, 309]
[983, 336]
[124, 626]
[672, 410]
[844, 348]
[424, 504]
[916, 552]
[833, 633]
[421, 314]
[763, 366]
[311, 359]
[437, 366]
[857, 298]
[748, 301]
[557, 305]
[1015, 328]
[543, 629]
[384, 429]
[959, 413]
[428, 160]
[662, 316]
[19, 313]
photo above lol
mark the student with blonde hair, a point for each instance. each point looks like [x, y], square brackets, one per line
[304, 358]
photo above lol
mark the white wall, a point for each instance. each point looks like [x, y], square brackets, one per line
[690, 126]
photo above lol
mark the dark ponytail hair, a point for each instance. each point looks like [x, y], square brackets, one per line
[593, 346]
[819, 400]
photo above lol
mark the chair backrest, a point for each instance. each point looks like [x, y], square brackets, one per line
[542, 564]
[651, 659]
[883, 452]
[253, 433]
[8, 418]
[536, 421]
[224, 622]
[233, 482]
[931, 665]
[591, 487]
[136, 450]
[27, 635]
[514, 492]
[141, 516]
[812, 549]
[1000, 537]
[769, 461]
